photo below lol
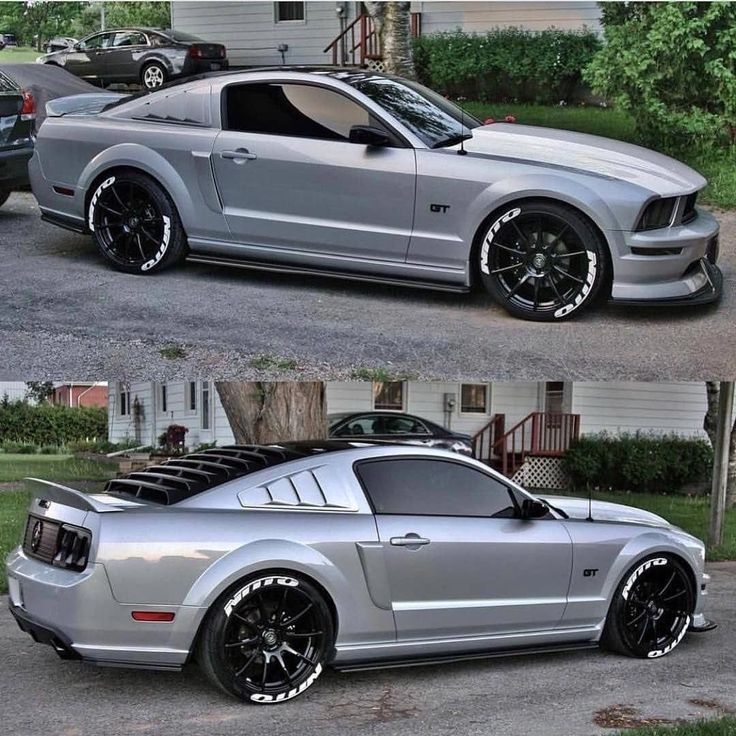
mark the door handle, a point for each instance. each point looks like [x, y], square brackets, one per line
[410, 541]
[239, 155]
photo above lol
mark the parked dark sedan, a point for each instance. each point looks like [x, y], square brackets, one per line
[391, 425]
[17, 115]
[139, 56]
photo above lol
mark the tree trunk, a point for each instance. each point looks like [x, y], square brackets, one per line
[710, 420]
[278, 411]
[396, 40]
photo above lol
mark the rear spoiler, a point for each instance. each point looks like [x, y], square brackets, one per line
[90, 103]
[47, 491]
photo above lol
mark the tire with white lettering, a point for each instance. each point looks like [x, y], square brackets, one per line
[266, 639]
[135, 223]
[542, 261]
[651, 609]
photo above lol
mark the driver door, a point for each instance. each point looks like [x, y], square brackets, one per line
[459, 560]
[87, 59]
[290, 179]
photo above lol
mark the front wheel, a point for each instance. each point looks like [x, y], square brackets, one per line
[542, 261]
[266, 639]
[651, 609]
[135, 224]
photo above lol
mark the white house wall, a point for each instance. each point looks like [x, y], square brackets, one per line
[649, 407]
[14, 390]
[251, 34]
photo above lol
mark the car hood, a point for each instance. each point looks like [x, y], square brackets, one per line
[577, 508]
[589, 154]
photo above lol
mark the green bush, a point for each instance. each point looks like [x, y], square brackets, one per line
[671, 65]
[50, 424]
[506, 64]
[50, 450]
[637, 462]
[19, 448]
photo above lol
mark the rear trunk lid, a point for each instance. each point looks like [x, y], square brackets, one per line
[85, 104]
[207, 51]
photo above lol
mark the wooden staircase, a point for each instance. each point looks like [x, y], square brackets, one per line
[540, 434]
[359, 44]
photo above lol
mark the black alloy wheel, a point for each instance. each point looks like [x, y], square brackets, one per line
[267, 641]
[651, 610]
[135, 224]
[542, 261]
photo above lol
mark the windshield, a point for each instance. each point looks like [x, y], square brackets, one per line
[432, 118]
[334, 419]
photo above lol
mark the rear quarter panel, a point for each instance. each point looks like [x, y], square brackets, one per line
[74, 151]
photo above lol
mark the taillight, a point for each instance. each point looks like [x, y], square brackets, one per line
[222, 52]
[72, 550]
[28, 110]
[195, 52]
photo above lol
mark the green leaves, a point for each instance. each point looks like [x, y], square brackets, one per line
[673, 67]
[506, 64]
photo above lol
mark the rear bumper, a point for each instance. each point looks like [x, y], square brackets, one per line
[670, 267]
[44, 634]
[14, 166]
[202, 66]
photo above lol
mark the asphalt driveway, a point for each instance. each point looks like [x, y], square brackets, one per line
[575, 694]
[63, 312]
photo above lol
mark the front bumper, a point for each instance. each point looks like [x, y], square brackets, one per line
[669, 267]
[14, 166]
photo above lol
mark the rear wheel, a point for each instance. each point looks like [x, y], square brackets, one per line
[542, 261]
[135, 224]
[4, 194]
[266, 639]
[153, 75]
[651, 609]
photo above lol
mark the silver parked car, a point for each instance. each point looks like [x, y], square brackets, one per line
[268, 563]
[366, 176]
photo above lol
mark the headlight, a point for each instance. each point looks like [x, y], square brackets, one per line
[657, 214]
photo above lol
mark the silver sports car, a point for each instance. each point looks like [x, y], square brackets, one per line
[365, 176]
[268, 563]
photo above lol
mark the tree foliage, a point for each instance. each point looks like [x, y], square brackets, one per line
[673, 67]
[39, 391]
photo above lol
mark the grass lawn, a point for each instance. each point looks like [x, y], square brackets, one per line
[14, 503]
[691, 513]
[719, 168]
[725, 726]
[18, 54]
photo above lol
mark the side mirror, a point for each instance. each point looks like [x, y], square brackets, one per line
[533, 509]
[367, 135]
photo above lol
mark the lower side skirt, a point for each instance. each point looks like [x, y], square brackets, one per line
[306, 271]
[418, 661]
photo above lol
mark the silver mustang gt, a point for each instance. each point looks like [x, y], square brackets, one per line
[268, 563]
[365, 176]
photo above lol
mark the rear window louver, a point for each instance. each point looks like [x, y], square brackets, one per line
[183, 477]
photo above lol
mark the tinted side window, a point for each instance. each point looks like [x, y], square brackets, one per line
[433, 488]
[298, 110]
[129, 38]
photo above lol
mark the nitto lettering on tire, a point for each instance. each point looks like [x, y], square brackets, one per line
[91, 212]
[587, 286]
[639, 570]
[248, 589]
[161, 252]
[281, 697]
[489, 237]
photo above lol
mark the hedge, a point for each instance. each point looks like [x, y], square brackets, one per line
[506, 64]
[637, 462]
[50, 424]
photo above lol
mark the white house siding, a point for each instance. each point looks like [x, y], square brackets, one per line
[251, 34]
[649, 407]
[479, 17]
[14, 390]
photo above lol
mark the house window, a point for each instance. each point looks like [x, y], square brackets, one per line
[164, 399]
[474, 398]
[388, 395]
[554, 397]
[206, 405]
[192, 396]
[124, 400]
[289, 12]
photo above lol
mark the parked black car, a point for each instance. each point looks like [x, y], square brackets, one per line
[139, 56]
[391, 425]
[17, 116]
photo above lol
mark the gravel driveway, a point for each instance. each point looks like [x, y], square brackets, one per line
[558, 695]
[64, 313]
